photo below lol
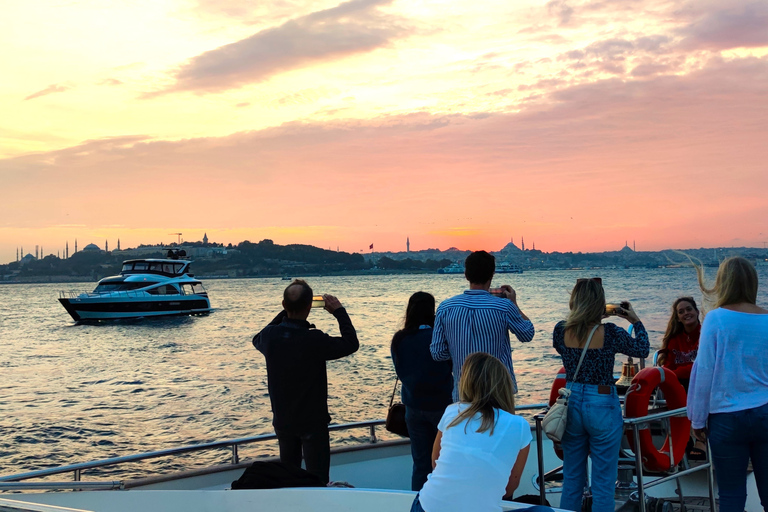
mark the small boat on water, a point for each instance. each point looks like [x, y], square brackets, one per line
[144, 288]
[504, 267]
[453, 268]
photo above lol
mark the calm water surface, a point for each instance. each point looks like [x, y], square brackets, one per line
[71, 393]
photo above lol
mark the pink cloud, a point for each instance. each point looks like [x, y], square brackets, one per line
[352, 27]
[51, 89]
[669, 161]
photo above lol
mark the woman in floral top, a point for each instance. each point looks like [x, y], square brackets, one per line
[595, 424]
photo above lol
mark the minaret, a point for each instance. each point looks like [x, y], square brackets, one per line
[41, 252]
[17, 254]
[37, 252]
[22, 252]
[66, 251]
[75, 244]
[118, 244]
[205, 238]
[522, 238]
[407, 244]
[106, 246]
[634, 247]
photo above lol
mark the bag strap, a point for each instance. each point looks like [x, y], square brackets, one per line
[392, 398]
[583, 352]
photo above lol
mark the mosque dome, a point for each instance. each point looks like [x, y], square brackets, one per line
[91, 247]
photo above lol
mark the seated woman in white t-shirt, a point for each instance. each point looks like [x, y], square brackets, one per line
[481, 446]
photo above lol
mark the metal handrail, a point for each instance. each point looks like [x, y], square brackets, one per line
[232, 443]
[12, 481]
[635, 423]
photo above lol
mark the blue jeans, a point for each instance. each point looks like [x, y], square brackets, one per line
[734, 438]
[594, 429]
[416, 507]
[422, 429]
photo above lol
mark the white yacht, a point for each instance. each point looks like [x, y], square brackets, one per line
[145, 287]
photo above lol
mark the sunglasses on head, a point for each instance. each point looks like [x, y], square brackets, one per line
[598, 280]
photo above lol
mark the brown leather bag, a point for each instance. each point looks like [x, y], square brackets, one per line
[396, 416]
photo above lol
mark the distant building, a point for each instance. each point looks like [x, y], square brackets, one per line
[26, 259]
[91, 248]
[205, 238]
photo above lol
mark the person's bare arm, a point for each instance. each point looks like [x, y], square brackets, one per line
[436, 449]
[517, 471]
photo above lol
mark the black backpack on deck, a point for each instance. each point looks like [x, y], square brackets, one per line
[275, 475]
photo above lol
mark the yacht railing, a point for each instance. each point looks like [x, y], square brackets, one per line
[635, 425]
[132, 294]
[18, 481]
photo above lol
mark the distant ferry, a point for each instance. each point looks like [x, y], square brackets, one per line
[501, 268]
[508, 268]
[147, 287]
[453, 268]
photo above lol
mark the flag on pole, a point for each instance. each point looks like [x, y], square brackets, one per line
[371, 247]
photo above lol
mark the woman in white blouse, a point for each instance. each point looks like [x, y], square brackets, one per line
[728, 393]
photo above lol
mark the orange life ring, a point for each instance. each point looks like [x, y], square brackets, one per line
[558, 383]
[636, 405]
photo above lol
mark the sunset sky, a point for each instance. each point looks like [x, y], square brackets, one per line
[577, 124]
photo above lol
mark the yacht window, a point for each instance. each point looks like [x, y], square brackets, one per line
[165, 289]
[142, 265]
[167, 268]
[198, 288]
[156, 267]
[119, 287]
[127, 267]
[177, 267]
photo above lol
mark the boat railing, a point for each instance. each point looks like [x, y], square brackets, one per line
[635, 425]
[18, 481]
[14, 482]
[73, 294]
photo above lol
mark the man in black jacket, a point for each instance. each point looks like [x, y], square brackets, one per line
[296, 353]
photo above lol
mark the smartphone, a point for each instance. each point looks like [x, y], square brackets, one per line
[612, 309]
[318, 301]
[497, 292]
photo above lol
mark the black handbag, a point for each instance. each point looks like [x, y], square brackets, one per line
[396, 416]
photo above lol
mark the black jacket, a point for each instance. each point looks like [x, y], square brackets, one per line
[296, 353]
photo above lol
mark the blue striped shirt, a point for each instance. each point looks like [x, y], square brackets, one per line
[476, 321]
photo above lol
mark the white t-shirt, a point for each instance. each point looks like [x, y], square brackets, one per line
[473, 468]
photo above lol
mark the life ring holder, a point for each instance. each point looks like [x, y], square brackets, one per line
[636, 404]
[554, 394]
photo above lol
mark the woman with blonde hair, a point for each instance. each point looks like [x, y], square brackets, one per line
[588, 348]
[728, 394]
[481, 446]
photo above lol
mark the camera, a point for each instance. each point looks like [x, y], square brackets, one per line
[613, 309]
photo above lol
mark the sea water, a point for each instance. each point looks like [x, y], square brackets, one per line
[72, 393]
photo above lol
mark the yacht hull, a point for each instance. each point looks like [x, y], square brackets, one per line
[111, 308]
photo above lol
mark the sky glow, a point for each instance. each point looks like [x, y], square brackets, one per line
[577, 124]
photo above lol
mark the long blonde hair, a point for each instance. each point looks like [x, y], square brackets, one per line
[485, 385]
[587, 306]
[736, 282]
